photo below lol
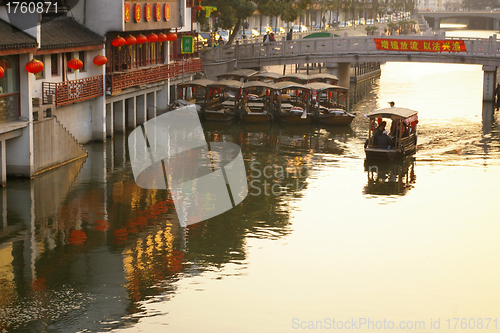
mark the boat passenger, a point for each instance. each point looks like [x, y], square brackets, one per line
[378, 132]
[384, 141]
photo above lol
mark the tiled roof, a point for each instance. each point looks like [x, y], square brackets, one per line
[13, 38]
[65, 32]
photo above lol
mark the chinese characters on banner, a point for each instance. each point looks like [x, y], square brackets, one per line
[415, 45]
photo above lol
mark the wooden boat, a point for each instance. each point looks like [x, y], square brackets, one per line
[324, 77]
[223, 100]
[257, 103]
[194, 92]
[292, 103]
[237, 75]
[329, 104]
[402, 139]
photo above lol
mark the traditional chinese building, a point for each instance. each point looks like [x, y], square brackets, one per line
[150, 47]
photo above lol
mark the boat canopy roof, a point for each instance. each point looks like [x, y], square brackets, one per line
[233, 84]
[238, 72]
[288, 85]
[324, 86]
[199, 82]
[325, 76]
[393, 113]
[251, 84]
[299, 76]
[267, 75]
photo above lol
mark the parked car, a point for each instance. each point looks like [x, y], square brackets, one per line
[206, 38]
[344, 24]
[224, 34]
[263, 30]
[248, 33]
[299, 28]
[370, 22]
[278, 30]
[321, 26]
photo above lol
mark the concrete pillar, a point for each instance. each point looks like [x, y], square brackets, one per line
[120, 152]
[489, 83]
[342, 70]
[162, 99]
[141, 109]
[496, 24]
[99, 119]
[437, 24]
[3, 164]
[151, 104]
[131, 112]
[109, 119]
[119, 115]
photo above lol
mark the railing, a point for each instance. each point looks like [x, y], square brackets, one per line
[73, 91]
[115, 82]
[9, 107]
[336, 45]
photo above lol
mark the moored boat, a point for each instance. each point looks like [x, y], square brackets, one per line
[237, 75]
[223, 100]
[257, 102]
[293, 103]
[329, 104]
[402, 138]
[194, 92]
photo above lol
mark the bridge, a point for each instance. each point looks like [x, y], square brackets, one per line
[339, 53]
[481, 20]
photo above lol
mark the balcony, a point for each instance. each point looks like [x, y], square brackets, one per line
[116, 82]
[74, 91]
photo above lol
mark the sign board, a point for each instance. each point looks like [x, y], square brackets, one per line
[187, 44]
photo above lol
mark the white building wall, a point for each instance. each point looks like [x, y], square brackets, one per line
[101, 15]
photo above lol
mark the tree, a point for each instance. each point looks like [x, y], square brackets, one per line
[478, 4]
[231, 13]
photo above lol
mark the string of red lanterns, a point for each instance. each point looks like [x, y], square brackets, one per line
[141, 39]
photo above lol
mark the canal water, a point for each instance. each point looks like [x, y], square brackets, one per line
[319, 242]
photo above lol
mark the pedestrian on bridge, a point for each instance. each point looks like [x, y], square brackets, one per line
[289, 35]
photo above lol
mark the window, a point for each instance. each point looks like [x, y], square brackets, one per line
[40, 75]
[54, 64]
[82, 57]
[69, 56]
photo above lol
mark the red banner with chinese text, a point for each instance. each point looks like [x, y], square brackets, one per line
[416, 45]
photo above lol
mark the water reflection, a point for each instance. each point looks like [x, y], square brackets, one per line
[390, 177]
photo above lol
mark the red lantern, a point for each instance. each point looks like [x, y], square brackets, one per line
[330, 94]
[4, 64]
[267, 93]
[34, 66]
[141, 39]
[100, 60]
[75, 64]
[193, 89]
[162, 37]
[180, 93]
[130, 40]
[118, 42]
[1, 72]
[152, 38]
[77, 237]
[297, 93]
[199, 7]
[171, 36]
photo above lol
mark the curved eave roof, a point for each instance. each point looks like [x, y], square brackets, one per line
[239, 72]
[299, 76]
[12, 38]
[65, 32]
[394, 112]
